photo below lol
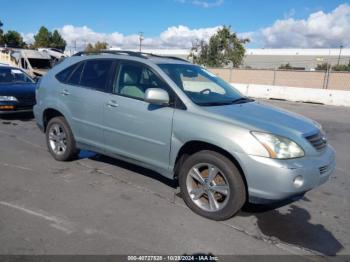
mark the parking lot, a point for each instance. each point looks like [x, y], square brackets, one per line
[98, 205]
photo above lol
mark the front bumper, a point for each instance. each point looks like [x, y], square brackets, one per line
[17, 107]
[271, 180]
[15, 111]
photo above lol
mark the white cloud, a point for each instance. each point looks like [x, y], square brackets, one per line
[183, 37]
[203, 3]
[81, 36]
[319, 30]
[173, 37]
[28, 38]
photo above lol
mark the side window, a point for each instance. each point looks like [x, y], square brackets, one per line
[134, 80]
[64, 74]
[74, 78]
[95, 74]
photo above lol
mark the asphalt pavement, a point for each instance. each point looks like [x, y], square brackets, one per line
[99, 205]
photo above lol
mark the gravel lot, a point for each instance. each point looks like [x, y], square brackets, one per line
[98, 205]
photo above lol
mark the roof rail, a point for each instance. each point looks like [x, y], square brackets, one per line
[113, 52]
[130, 53]
[164, 56]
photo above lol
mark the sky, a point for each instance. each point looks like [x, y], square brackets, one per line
[179, 23]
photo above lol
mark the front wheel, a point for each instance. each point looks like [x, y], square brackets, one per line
[60, 140]
[211, 185]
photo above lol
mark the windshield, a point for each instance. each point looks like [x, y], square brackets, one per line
[201, 86]
[12, 75]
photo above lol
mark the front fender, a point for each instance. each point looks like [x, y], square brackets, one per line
[233, 139]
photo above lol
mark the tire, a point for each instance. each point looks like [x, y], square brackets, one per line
[228, 180]
[60, 140]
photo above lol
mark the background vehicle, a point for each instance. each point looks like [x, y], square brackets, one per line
[17, 91]
[182, 121]
[33, 62]
[54, 53]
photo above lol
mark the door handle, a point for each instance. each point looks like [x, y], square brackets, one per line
[112, 103]
[65, 92]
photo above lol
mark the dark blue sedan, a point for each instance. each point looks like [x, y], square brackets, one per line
[17, 91]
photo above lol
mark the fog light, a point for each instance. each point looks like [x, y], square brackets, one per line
[298, 181]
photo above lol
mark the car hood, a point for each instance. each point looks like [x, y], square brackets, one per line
[262, 117]
[17, 89]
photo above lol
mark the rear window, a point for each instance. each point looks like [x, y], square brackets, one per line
[95, 74]
[75, 77]
[64, 74]
[91, 73]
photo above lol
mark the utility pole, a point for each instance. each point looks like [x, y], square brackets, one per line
[85, 44]
[140, 39]
[340, 48]
[326, 74]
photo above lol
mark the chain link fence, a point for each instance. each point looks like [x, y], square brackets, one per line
[334, 80]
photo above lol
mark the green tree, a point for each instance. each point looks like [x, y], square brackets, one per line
[223, 48]
[13, 39]
[45, 38]
[344, 68]
[322, 67]
[97, 47]
[57, 41]
[89, 48]
[285, 66]
[42, 38]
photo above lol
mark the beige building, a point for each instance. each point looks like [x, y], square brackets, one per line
[307, 59]
[304, 59]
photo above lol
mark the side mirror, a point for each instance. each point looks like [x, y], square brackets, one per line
[157, 96]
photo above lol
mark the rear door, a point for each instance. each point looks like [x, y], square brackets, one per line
[133, 127]
[84, 95]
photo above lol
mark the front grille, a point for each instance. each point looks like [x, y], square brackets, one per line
[318, 141]
[24, 107]
[323, 169]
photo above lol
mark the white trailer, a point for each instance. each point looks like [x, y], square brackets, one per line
[33, 62]
[55, 53]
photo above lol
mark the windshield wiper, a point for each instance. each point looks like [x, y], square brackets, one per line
[240, 100]
[220, 103]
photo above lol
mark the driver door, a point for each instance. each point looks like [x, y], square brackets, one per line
[133, 127]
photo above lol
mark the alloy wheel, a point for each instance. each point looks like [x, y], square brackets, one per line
[208, 187]
[57, 139]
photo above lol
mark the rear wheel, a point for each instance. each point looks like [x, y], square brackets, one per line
[211, 185]
[60, 140]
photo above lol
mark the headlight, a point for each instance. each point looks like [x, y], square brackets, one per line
[8, 99]
[279, 147]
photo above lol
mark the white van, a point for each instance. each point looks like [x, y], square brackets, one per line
[33, 62]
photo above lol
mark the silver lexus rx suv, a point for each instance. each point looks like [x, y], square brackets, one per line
[185, 123]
